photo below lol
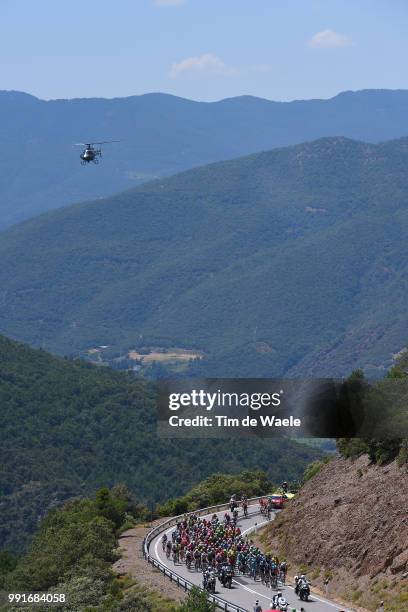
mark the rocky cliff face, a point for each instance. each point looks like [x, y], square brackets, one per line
[349, 524]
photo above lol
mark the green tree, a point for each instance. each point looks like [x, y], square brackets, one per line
[197, 601]
[8, 563]
[111, 508]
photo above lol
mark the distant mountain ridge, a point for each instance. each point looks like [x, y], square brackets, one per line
[287, 262]
[161, 135]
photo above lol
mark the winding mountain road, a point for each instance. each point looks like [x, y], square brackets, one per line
[245, 591]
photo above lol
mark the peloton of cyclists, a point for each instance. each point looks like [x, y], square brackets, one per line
[216, 545]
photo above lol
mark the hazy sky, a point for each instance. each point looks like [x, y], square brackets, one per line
[202, 49]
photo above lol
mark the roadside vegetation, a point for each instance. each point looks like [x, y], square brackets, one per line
[217, 489]
[73, 551]
[314, 468]
[383, 402]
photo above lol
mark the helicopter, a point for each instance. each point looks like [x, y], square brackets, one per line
[90, 153]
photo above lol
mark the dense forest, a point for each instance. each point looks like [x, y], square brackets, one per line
[75, 545]
[291, 261]
[72, 553]
[68, 427]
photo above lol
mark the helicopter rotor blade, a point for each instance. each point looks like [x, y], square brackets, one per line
[88, 144]
[105, 142]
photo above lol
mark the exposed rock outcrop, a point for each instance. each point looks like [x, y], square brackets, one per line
[349, 524]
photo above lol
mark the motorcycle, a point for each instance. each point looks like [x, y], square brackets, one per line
[226, 577]
[209, 582]
[304, 591]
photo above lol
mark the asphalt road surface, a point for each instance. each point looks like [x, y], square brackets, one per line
[245, 591]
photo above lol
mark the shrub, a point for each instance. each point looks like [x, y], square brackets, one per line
[314, 468]
[198, 601]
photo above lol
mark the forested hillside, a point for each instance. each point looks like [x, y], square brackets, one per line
[74, 547]
[72, 554]
[68, 428]
[161, 135]
[292, 261]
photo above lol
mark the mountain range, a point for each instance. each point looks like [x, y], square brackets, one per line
[287, 262]
[161, 135]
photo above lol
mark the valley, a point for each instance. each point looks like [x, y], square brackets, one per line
[68, 427]
[179, 262]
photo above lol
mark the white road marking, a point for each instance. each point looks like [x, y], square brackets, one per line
[325, 601]
[240, 583]
[246, 588]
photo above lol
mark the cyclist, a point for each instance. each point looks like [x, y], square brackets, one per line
[244, 501]
[283, 568]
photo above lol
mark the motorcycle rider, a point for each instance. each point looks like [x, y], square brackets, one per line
[300, 583]
[302, 580]
[227, 575]
[208, 577]
[222, 572]
[297, 584]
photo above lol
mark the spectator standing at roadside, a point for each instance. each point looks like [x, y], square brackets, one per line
[257, 607]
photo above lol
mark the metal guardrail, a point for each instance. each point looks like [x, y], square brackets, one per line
[187, 585]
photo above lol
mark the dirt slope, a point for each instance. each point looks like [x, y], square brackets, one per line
[134, 565]
[349, 523]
